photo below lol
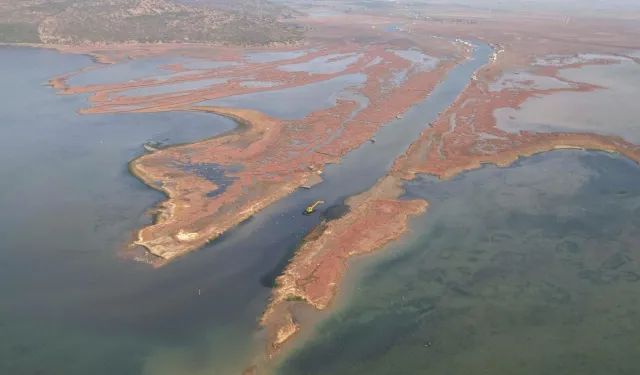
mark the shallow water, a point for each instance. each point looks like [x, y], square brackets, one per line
[398, 77]
[200, 65]
[174, 87]
[609, 111]
[373, 62]
[69, 305]
[522, 80]
[259, 84]
[421, 61]
[329, 64]
[362, 102]
[123, 72]
[167, 77]
[294, 102]
[530, 269]
[265, 57]
[559, 60]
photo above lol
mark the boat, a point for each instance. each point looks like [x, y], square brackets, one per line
[311, 209]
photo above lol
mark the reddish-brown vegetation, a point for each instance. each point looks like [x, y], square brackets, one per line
[463, 138]
[270, 157]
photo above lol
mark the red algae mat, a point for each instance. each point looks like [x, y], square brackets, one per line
[462, 139]
[267, 158]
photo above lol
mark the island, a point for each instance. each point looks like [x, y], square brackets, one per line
[465, 137]
[215, 184]
[302, 103]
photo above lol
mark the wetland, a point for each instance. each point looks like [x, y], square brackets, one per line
[526, 269]
[529, 269]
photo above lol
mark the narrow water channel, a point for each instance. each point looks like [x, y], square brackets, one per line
[531, 269]
[68, 295]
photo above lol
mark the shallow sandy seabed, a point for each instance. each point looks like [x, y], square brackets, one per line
[610, 110]
[267, 158]
[464, 138]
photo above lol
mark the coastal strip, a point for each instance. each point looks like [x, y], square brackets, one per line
[463, 138]
[214, 184]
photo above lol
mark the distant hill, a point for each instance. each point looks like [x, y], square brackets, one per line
[75, 22]
[258, 8]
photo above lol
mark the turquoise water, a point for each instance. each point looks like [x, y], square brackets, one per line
[531, 269]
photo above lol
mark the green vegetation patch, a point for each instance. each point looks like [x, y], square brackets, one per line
[294, 298]
[19, 33]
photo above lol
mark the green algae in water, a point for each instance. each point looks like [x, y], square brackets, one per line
[531, 269]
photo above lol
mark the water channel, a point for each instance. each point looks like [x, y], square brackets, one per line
[69, 304]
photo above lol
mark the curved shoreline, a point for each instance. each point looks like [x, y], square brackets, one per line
[248, 122]
[314, 273]
[256, 156]
[241, 126]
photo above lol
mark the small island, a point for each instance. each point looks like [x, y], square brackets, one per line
[303, 101]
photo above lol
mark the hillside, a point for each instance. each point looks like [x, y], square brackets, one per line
[135, 21]
[259, 8]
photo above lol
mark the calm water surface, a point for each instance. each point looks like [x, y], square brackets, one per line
[531, 269]
[68, 304]
[124, 72]
[611, 110]
[293, 103]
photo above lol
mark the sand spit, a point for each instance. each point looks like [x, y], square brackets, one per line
[214, 184]
[463, 138]
[270, 165]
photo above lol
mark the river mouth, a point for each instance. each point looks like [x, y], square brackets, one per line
[110, 314]
[529, 269]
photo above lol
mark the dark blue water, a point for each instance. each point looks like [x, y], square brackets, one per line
[68, 304]
[532, 269]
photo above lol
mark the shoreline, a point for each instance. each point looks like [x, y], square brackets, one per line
[183, 222]
[311, 275]
[286, 293]
[166, 209]
[178, 227]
